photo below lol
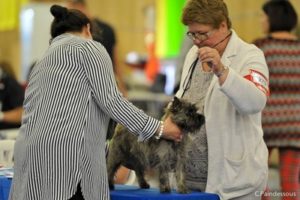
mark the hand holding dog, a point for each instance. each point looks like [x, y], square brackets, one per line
[171, 130]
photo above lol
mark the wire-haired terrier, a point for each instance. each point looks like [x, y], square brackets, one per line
[162, 155]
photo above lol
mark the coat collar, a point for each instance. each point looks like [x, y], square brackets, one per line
[231, 49]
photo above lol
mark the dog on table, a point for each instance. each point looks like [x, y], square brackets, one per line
[162, 155]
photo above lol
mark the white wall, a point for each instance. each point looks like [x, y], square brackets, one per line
[34, 33]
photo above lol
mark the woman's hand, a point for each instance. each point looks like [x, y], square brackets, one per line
[211, 61]
[171, 131]
[212, 57]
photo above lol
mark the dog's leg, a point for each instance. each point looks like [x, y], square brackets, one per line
[164, 183]
[180, 168]
[112, 168]
[180, 178]
[140, 175]
[113, 163]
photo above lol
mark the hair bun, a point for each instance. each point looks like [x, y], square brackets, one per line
[59, 12]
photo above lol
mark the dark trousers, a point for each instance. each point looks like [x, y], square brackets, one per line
[78, 194]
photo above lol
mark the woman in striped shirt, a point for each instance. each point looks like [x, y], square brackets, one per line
[70, 98]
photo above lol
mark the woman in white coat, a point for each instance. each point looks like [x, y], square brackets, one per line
[228, 79]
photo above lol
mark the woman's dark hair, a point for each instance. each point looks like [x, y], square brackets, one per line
[67, 20]
[282, 16]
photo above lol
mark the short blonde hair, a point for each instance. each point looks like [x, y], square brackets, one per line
[209, 12]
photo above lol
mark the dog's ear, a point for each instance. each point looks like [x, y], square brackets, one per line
[176, 102]
[176, 105]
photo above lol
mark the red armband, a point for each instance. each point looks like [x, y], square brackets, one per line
[259, 80]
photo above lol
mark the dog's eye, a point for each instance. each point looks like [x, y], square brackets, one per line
[190, 111]
[175, 108]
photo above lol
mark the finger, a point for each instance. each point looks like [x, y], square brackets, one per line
[207, 60]
[179, 138]
[203, 49]
[207, 56]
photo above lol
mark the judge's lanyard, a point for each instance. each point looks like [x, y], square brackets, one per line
[188, 79]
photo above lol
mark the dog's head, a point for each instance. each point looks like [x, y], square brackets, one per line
[185, 116]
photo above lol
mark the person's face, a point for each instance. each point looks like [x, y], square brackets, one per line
[265, 23]
[205, 35]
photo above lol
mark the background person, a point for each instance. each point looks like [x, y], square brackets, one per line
[105, 34]
[11, 98]
[228, 80]
[71, 95]
[281, 117]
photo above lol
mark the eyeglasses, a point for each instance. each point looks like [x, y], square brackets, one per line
[199, 36]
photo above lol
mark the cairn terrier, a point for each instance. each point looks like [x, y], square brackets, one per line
[162, 155]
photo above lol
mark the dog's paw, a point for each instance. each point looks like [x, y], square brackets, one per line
[164, 189]
[182, 189]
[145, 185]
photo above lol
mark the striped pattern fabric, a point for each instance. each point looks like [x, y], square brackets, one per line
[281, 117]
[289, 173]
[69, 100]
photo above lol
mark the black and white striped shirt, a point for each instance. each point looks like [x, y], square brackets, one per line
[70, 97]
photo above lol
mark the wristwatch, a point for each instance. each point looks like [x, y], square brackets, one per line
[220, 73]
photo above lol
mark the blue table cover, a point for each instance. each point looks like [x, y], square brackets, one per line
[5, 184]
[128, 192]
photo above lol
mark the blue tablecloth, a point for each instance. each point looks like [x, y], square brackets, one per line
[126, 192]
[5, 184]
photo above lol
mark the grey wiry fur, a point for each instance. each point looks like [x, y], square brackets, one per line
[155, 154]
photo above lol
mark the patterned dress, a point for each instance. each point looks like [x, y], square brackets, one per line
[197, 150]
[281, 117]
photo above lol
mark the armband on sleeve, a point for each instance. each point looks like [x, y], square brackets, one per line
[259, 80]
